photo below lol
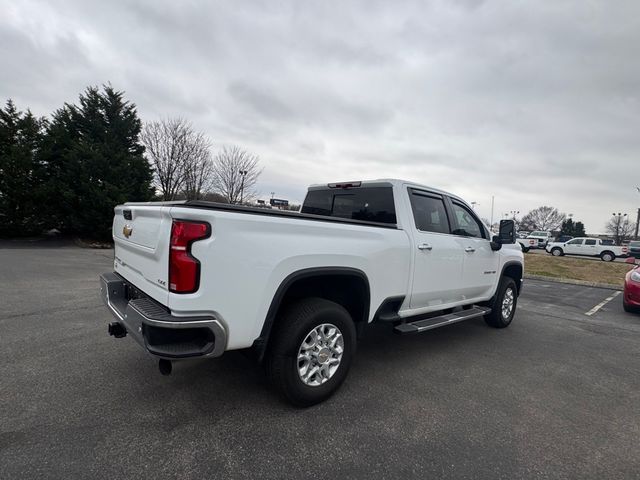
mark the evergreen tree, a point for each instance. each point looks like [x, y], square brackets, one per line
[574, 229]
[20, 171]
[567, 228]
[94, 161]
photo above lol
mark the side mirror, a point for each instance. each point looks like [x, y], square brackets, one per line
[507, 232]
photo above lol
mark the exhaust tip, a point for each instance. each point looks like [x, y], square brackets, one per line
[117, 330]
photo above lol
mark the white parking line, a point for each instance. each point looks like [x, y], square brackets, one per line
[601, 304]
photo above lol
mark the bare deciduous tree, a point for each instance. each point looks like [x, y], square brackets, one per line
[180, 157]
[235, 173]
[619, 227]
[543, 218]
[198, 172]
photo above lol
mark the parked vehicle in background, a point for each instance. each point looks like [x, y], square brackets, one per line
[589, 247]
[522, 234]
[634, 248]
[195, 279]
[527, 244]
[631, 296]
[562, 238]
[543, 238]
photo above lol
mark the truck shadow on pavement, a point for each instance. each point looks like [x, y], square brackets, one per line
[235, 380]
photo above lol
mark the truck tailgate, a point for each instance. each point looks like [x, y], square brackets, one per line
[141, 234]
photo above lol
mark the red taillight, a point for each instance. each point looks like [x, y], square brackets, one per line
[184, 269]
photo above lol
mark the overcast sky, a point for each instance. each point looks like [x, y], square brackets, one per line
[532, 102]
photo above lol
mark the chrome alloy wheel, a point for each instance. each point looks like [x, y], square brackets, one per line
[507, 303]
[320, 354]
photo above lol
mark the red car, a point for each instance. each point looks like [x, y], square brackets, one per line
[631, 297]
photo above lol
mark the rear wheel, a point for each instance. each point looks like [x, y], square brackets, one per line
[557, 252]
[311, 351]
[503, 306]
[607, 256]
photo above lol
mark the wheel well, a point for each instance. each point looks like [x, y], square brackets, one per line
[514, 271]
[347, 287]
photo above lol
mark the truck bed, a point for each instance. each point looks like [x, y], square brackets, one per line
[278, 213]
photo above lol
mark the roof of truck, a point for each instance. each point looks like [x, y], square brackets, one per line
[396, 182]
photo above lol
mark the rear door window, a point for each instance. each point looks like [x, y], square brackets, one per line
[373, 204]
[590, 242]
[429, 212]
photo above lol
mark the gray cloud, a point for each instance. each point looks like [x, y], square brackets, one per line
[532, 103]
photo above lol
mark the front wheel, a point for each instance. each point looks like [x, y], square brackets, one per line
[557, 252]
[503, 306]
[607, 256]
[311, 351]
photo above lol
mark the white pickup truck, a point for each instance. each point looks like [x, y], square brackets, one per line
[527, 244]
[196, 279]
[592, 247]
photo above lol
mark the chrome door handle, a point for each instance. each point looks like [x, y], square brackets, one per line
[469, 249]
[425, 246]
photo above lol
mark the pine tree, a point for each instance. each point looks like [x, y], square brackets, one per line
[95, 161]
[573, 229]
[567, 228]
[20, 171]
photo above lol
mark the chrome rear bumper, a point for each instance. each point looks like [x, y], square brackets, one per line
[155, 329]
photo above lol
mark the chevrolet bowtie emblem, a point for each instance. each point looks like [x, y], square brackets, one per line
[127, 231]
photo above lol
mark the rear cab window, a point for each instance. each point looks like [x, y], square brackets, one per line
[371, 204]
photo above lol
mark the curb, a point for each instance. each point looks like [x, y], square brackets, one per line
[569, 281]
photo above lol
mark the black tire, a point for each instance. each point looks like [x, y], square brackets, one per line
[607, 256]
[628, 308]
[524, 249]
[557, 252]
[293, 326]
[496, 318]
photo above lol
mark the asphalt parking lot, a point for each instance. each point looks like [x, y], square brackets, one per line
[556, 395]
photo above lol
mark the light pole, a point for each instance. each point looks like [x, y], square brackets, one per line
[492, 202]
[637, 218]
[617, 222]
[243, 173]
